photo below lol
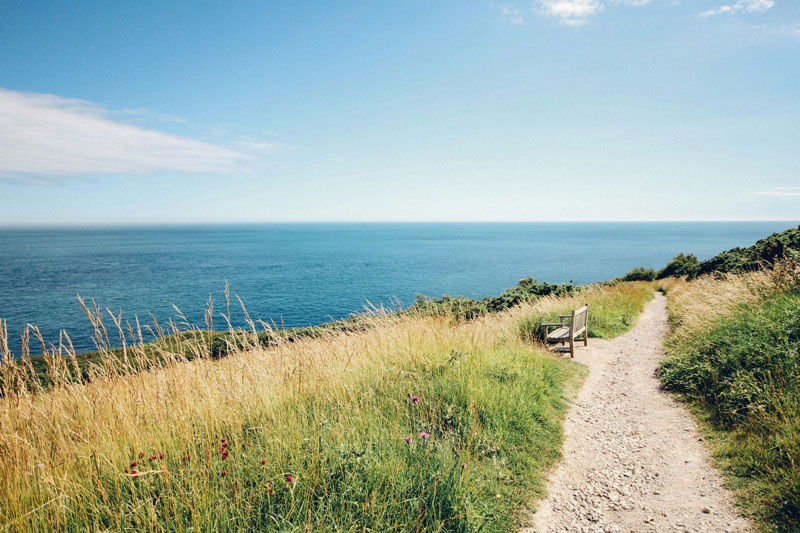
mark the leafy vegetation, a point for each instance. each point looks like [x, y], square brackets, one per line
[740, 369]
[763, 254]
[681, 265]
[467, 309]
[639, 274]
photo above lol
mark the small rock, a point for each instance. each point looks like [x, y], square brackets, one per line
[706, 510]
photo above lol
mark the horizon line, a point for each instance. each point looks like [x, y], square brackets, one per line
[135, 223]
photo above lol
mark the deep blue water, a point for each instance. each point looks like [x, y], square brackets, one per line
[301, 274]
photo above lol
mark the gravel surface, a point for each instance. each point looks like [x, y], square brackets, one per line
[633, 457]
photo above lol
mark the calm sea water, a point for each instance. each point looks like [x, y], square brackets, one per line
[301, 274]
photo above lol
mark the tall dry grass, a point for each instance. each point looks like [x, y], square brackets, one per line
[695, 306]
[311, 409]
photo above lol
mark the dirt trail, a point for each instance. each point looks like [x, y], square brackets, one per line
[633, 457]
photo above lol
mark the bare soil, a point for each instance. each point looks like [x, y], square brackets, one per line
[634, 459]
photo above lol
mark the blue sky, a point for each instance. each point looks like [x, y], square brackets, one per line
[152, 112]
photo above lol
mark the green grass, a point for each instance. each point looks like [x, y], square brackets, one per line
[494, 423]
[612, 312]
[743, 379]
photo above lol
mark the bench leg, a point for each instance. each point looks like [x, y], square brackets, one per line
[572, 346]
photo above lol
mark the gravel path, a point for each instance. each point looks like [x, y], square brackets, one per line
[633, 457]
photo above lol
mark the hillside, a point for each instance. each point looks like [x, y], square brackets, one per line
[414, 422]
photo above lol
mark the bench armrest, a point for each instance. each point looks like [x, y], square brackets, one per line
[550, 325]
[564, 316]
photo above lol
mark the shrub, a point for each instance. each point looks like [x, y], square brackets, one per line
[639, 274]
[681, 265]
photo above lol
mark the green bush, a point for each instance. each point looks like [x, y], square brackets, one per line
[762, 254]
[681, 265]
[466, 308]
[639, 274]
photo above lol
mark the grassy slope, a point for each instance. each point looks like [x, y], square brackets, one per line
[333, 412]
[734, 355]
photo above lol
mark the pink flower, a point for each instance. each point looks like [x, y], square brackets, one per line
[269, 490]
[223, 473]
[141, 455]
[424, 435]
[408, 440]
[152, 457]
[133, 463]
[161, 456]
[134, 472]
[263, 461]
[415, 400]
[289, 478]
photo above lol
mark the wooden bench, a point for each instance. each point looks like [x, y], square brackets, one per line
[568, 332]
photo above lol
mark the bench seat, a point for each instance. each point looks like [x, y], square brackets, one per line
[559, 334]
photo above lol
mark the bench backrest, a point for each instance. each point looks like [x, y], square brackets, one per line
[578, 322]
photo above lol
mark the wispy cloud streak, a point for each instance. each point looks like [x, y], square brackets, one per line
[780, 191]
[741, 6]
[46, 137]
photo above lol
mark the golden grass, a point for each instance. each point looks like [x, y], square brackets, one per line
[694, 306]
[60, 446]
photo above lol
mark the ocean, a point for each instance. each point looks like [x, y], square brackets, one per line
[305, 274]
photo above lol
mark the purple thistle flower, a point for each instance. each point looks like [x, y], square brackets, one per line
[408, 440]
[424, 435]
[415, 400]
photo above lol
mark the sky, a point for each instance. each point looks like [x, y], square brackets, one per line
[538, 110]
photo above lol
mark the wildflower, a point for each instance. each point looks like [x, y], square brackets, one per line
[498, 496]
[153, 457]
[424, 435]
[263, 461]
[269, 490]
[133, 463]
[161, 456]
[415, 400]
[408, 440]
[223, 473]
[141, 455]
[289, 478]
[134, 472]
[224, 456]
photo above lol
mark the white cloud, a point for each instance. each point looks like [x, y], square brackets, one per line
[635, 3]
[45, 137]
[512, 13]
[781, 191]
[571, 12]
[744, 6]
